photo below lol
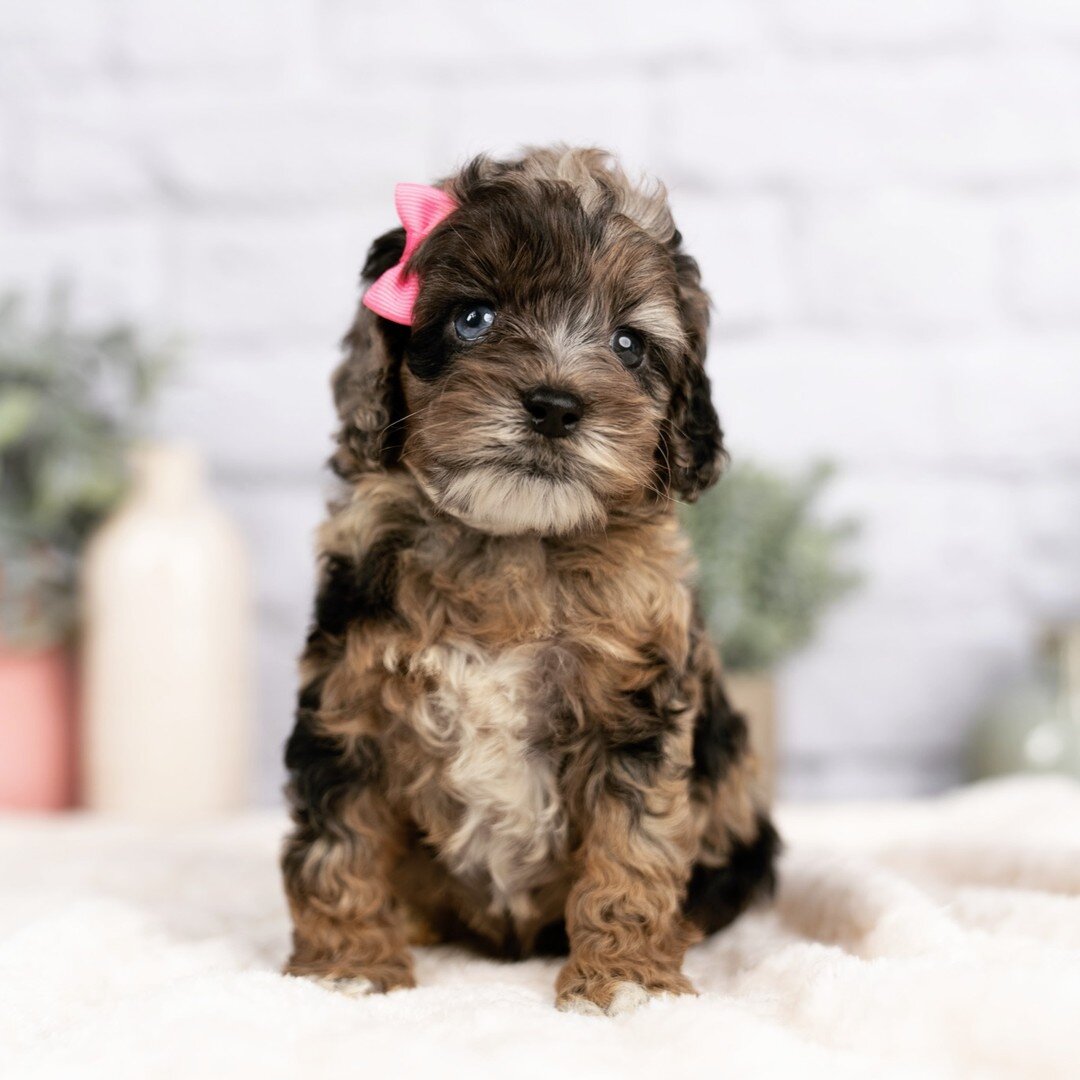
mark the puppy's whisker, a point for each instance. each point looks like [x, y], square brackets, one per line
[401, 420]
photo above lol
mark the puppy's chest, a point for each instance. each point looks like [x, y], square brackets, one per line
[518, 590]
[486, 789]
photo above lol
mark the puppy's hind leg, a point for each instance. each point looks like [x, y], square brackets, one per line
[725, 882]
[738, 845]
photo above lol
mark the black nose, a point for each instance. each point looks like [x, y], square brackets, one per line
[554, 413]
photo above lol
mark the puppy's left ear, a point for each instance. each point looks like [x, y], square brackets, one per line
[694, 441]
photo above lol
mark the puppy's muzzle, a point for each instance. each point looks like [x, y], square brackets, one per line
[553, 413]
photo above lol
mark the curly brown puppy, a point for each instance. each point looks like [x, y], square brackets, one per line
[511, 729]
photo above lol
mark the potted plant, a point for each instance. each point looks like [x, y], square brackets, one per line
[768, 567]
[68, 402]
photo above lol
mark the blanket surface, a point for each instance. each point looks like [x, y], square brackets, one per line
[929, 939]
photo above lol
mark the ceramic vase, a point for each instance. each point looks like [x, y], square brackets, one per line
[166, 664]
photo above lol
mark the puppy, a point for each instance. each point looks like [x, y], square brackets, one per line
[511, 729]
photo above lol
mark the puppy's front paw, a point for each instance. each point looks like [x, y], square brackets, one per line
[628, 996]
[360, 981]
[599, 995]
[354, 988]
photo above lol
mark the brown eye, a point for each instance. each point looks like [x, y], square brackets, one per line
[628, 346]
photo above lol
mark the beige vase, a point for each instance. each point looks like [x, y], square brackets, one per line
[166, 664]
[754, 695]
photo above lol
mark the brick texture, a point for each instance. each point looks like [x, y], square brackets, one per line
[885, 201]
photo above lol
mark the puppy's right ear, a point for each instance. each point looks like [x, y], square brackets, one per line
[367, 383]
[695, 444]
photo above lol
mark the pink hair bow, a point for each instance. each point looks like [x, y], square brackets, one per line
[420, 208]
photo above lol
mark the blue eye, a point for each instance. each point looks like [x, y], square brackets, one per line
[474, 321]
[627, 345]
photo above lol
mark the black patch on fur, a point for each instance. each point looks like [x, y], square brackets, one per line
[717, 895]
[647, 712]
[430, 349]
[353, 591]
[320, 771]
[720, 736]
[552, 940]
[636, 747]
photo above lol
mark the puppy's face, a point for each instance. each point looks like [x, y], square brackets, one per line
[550, 350]
[537, 374]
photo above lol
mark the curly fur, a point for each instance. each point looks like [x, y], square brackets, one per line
[512, 729]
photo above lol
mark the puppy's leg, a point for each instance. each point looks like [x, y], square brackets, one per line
[347, 930]
[738, 847]
[624, 914]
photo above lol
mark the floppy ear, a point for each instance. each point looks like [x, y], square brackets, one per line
[694, 441]
[367, 382]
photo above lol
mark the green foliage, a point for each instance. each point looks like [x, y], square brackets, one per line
[769, 567]
[70, 401]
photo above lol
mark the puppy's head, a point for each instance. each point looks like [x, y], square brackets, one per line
[554, 369]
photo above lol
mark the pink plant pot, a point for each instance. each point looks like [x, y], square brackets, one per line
[37, 730]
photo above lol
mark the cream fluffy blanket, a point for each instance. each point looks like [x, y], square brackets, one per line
[928, 939]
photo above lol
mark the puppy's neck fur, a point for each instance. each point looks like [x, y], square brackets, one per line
[558, 527]
[507, 589]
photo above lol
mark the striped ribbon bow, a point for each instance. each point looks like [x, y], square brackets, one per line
[420, 208]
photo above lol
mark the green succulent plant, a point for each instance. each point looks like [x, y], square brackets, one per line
[70, 402]
[768, 565]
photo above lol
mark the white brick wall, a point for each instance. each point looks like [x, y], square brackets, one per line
[885, 199]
